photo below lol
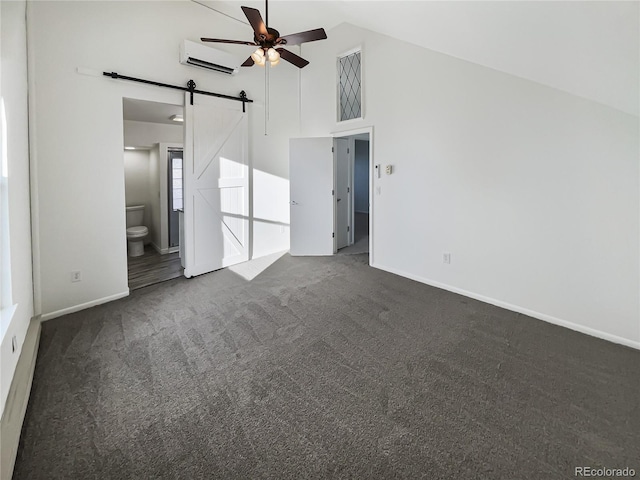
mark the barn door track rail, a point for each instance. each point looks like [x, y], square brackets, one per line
[191, 88]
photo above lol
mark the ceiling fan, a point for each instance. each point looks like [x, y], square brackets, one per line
[270, 42]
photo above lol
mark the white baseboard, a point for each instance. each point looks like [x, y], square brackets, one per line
[17, 400]
[515, 308]
[83, 306]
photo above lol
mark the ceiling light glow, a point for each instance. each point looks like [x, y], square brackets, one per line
[258, 57]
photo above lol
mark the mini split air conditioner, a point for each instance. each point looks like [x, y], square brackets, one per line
[196, 55]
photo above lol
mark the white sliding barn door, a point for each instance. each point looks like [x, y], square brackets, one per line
[216, 185]
[311, 173]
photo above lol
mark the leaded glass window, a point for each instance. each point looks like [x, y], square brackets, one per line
[349, 87]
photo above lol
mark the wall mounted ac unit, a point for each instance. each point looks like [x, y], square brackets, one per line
[197, 55]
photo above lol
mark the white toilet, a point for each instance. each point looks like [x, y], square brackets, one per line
[135, 230]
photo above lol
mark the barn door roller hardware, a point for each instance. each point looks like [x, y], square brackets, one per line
[191, 88]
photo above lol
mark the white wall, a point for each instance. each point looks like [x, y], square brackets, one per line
[136, 178]
[146, 134]
[13, 90]
[533, 191]
[137, 184]
[80, 161]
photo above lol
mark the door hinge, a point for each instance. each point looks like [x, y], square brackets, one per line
[348, 189]
[333, 192]
[347, 150]
[332, 150]
[348, 228]
[333, 235]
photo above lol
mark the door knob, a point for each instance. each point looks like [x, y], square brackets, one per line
[339, 199]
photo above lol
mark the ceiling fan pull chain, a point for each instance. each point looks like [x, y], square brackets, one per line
[266, 74]
[266, 98]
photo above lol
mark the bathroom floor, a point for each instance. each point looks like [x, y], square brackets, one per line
[152, 268]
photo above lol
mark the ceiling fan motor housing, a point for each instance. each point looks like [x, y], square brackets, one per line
[269, 40]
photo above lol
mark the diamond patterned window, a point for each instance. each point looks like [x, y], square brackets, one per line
[349, 90]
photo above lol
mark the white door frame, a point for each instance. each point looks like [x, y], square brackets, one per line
[352, 203]
[356, 131]
[157, 96]
[337, 227]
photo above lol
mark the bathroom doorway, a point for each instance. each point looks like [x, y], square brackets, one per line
[153, 142]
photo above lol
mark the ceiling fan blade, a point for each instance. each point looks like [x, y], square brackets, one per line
[292, 58]
[222, 40]
[255, 19]
[302, 37]
[248, 62]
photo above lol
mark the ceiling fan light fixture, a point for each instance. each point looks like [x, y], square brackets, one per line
[273, 55]
[275, 62]
[258, 57]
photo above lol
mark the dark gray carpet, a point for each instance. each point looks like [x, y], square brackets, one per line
[322, 368]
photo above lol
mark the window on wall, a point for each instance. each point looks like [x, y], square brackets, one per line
[350, 86]
[176, 181]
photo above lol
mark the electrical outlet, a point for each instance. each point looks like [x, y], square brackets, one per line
[76, 276]
[446, 258]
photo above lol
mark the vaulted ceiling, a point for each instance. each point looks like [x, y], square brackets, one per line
[590, 49]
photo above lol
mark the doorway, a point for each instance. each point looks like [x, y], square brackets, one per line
[330, 211]
[352, 181]
[153, 142]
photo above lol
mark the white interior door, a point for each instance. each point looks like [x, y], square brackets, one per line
[342, 192]
[311, 174]
[216, 185]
